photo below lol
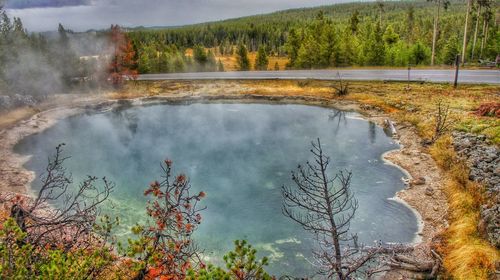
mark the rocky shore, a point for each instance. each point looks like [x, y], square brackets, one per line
[17, 100]
[483, 160]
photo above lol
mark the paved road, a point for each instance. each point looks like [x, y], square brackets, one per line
[465, 76]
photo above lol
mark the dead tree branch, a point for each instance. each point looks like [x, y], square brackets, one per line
[325, 206]
[58, 216]
[342, 88]
[442, 120]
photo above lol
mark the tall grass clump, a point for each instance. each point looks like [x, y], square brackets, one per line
[466, 255]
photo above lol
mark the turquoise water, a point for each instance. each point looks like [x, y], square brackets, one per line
[240, 155]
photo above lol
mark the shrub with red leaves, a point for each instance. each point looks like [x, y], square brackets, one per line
[165, 249]
[489, 110]
[123, 64]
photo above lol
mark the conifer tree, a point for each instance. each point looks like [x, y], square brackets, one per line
[200, 57]
[261, 61]
[354, 21]
[243, 61]
[211, 62]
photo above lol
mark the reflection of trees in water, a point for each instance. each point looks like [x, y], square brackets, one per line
[372, 129]
[337, 117]
[127, 124]
[132, 121]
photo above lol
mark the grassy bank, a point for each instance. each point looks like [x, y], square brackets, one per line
[467, 255]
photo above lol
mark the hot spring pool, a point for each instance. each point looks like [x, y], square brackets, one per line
[240, 155]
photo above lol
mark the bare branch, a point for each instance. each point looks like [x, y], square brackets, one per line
[58, 215]
[442, 120]
[325, 206]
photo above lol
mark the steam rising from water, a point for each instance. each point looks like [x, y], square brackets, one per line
[240, 155]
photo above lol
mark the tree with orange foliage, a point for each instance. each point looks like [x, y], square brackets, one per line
[165, 249]
[122, 64]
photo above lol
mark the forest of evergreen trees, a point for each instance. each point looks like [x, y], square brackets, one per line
[361, 34]
[35, 65]
[30, 63]
[353, 34]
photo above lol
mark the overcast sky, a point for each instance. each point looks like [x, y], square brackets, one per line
[44, 15]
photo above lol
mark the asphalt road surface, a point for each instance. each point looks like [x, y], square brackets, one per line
[446, 76]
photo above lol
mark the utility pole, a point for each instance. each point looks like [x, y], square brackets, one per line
[457, 65]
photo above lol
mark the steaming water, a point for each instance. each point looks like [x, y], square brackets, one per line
[240, 155]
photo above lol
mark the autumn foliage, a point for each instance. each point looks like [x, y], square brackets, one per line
[165, 249]
[489, 109]
[123, 63]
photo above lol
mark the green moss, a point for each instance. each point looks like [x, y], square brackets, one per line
[487, 126]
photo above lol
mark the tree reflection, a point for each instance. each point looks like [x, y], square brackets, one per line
[372, 130]
[337, 117]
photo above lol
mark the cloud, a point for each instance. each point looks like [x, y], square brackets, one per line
[101, 14]
[24, 4]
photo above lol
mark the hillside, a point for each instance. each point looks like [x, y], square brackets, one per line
[352, 34]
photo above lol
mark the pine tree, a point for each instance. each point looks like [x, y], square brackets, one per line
[354, 21]
[347, 48]
[65, 58]
[374, 47]
[419, 54]
[450, 50]
[390, 37]
[380, 5]
[211, 62]
[293, 45]
[200, 57]
[144, 63]
[308, 54]
[329, 46]
[179, 63]
[261, 61]
[410, 22]
[164, 62]
[243, 61]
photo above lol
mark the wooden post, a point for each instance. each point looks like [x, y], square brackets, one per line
[409, 68]
[457, 65]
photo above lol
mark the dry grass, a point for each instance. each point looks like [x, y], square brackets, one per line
[16, 115]
[230, 62]
[418, 105]
[467, 255]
